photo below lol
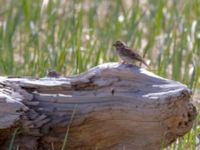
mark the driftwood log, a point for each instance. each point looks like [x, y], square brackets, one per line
[110, 107]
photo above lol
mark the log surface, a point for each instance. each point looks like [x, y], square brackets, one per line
[112, 106]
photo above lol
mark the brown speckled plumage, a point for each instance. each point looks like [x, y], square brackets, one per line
[127, 54]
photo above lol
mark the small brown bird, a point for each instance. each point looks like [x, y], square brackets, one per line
[127, 54]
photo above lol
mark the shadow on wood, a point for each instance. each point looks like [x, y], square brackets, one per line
[109, 107]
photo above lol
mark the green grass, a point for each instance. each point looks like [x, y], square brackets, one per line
[64, 145]
[11, 145]
[72, 36]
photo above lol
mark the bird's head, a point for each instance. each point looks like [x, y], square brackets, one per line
[119, 44]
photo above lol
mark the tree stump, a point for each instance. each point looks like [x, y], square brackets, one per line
[110, 107]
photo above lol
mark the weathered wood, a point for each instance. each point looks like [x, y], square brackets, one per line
[110, 107]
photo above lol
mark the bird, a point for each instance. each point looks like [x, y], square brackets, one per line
[127, 54]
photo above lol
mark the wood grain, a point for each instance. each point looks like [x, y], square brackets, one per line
[112, 106]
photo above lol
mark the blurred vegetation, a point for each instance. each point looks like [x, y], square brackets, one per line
[73, 36]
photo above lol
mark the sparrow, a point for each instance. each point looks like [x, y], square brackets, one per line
[127, 54]
[52, 74]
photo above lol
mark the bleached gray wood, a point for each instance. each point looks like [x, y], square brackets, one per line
[112, 106]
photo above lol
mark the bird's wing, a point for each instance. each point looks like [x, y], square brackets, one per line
[132, 54]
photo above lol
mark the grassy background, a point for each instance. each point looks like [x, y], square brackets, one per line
[72, 36]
